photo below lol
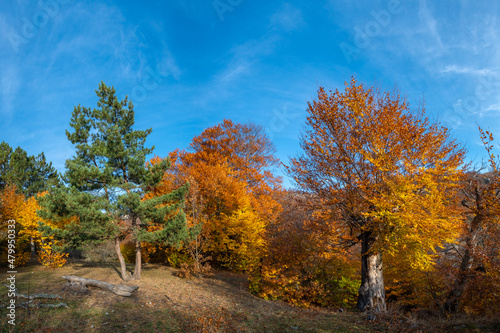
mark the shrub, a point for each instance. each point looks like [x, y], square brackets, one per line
[176, 258]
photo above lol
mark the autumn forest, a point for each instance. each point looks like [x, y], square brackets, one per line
[385, 210]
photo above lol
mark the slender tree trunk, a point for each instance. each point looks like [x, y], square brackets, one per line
[138, 261]
[136, 222]
[371, 293]
[32, 243]
[33, 256]
[123, 267]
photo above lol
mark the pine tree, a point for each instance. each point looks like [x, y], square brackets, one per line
[30, 174]
[108, 180]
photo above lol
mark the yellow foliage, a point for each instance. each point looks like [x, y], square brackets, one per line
[10, 209]
[29, 219]
[24, 212]
[237, 239]
[47, 256]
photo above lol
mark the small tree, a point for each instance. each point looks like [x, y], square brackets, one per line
[385, 175]
[108, 180]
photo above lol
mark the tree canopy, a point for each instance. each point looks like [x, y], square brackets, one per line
[384, 173]
[30, 174]
[108, 180]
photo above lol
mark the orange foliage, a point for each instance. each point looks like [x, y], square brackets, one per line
[386, 177]
[231, 196]
[299, 263]
[12, 202]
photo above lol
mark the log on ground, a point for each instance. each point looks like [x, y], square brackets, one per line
[118, 289]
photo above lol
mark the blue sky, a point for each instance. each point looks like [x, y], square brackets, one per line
[187, 65]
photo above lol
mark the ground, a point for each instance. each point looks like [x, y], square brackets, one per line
[167, 303]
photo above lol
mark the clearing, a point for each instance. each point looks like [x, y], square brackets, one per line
[167, 303]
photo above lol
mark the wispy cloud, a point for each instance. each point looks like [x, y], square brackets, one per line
[9, 87]
[467, 70]
[243, 59]
[429, 22]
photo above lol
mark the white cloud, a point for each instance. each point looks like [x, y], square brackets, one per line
[245, 56]
[466, 70]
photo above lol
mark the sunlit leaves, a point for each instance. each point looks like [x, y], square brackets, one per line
[231, 198]
[382, 171]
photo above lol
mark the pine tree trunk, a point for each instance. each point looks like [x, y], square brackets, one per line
[138, 261]
[371, 293]
[123, 267]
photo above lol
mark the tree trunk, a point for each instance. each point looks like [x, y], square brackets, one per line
[371, 293]
[33, 256]
[33, 250]
[118, 289]
[138, 261]
[123, 267]
[452, 303]
[136, 222]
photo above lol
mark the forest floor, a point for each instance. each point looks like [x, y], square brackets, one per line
[167, 303]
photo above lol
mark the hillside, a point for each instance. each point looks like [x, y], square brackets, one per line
[167, 303]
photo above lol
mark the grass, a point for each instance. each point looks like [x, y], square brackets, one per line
[167, 303]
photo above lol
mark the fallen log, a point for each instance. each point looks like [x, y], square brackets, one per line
[41, 305]
[31, 297]
[118, 289]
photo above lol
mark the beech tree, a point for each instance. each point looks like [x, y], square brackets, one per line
[108, 180]
[386, 176]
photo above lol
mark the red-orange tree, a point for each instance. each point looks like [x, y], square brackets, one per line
[232, 190]
[385, 175]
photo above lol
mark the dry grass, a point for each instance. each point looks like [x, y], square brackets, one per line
[167, 303]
